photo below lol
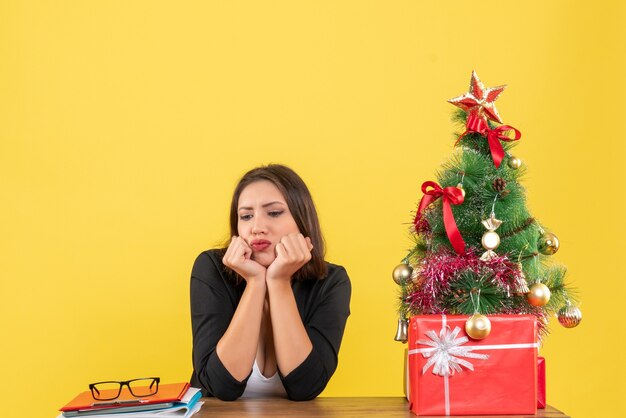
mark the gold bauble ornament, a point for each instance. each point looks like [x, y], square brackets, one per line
[548, 243]
[539, 295]
[569, 316]
[478, 326]
[514, 162]
[401, 273]
[460, 186]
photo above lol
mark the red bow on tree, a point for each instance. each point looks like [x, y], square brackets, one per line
[477, 124]
[451, 195]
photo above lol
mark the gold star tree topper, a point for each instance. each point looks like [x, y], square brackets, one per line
[479, 100]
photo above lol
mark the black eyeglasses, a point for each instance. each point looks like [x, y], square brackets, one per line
[105, 391]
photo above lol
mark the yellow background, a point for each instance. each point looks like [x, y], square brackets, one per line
[124, 126]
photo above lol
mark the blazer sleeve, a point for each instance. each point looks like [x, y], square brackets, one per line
[213, 304]
[325, 326]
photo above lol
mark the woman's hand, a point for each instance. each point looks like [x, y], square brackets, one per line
[237, 257]
[292, 252]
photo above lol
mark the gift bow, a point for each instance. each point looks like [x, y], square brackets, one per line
[477, 124]
[445, 352]
[451, 195]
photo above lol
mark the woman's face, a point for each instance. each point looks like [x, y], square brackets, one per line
[264, 219]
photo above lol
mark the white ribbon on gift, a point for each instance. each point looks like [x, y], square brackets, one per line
[446, 350]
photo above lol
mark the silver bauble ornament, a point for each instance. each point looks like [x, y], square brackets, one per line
[402, 273]
[539, 295]
[478, 326]
[569, 316]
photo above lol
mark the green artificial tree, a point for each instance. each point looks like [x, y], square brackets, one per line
[477, 248]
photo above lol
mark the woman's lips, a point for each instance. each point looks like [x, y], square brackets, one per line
[260, 244]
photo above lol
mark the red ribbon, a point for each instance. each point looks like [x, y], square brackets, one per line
[476, 124]
[451, 195]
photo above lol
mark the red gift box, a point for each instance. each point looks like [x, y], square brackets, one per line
[541, 380]
[451, 374]
[541, 383]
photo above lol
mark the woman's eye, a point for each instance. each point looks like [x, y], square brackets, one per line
[245, 217]
[276, 213]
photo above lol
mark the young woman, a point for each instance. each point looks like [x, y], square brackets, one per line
[267, 312]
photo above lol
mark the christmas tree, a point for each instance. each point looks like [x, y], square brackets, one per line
[477, 248]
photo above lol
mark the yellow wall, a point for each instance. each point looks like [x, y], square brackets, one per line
[124, 126]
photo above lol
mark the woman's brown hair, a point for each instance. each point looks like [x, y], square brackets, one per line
[300, 205]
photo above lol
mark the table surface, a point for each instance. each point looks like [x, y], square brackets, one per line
[327, 407]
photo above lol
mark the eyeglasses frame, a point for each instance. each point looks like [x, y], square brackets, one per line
[92, 387]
